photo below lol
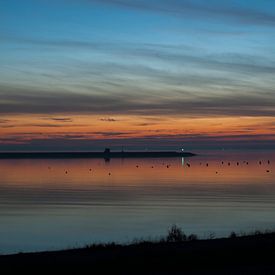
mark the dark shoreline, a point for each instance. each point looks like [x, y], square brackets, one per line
[108, 155]
[252, 254]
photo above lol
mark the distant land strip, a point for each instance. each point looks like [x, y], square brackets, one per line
[105, 155]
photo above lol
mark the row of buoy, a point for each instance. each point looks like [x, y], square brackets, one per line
[66, 172]
[267, 171]
[246, 162]
[237, 163]
[189, 165]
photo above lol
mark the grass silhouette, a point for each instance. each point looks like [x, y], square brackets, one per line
[175, 253]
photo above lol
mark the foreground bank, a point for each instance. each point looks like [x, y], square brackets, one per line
[253, 254]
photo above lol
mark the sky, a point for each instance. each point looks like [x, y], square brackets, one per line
[88, 74]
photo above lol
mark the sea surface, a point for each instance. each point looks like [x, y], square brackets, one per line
[52, 204]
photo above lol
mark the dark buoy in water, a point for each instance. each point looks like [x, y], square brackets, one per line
[267, 171]
[136, 166]
[66, 172]
[109, 174]
[268, 162]
[237, 164]
[228, 163]
[206, 164]
[260, 162]
[188, 164]
[216, 172]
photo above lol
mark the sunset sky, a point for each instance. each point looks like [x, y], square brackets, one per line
[87, 74]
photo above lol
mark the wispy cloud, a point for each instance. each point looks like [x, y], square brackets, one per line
[25, 100]
[61, 119]
[210, 9]
[4, 121]
[196, 83]
[105, 134]
[108, 119]
[173, 54]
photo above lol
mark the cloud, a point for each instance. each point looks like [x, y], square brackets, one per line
[42, 125]
[196, 84]
[159, 80]
[4, 121]
[61, 119]
[211, 10]
[144, 124]
[108, 119]
[112, 133]
[28, 101]
[181, 54]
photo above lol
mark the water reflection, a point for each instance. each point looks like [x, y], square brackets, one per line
[51, 204]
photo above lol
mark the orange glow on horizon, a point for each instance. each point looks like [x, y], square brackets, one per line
[28, 127]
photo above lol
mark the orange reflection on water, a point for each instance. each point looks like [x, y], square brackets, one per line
[130, 172]
[43, 207]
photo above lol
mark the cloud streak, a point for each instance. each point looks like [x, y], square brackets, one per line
[212, 84]
[27, 101]
[173, 54]
[108, 119]
[210, 10]
[61, 119]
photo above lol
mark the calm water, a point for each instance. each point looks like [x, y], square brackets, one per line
[42, 207]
